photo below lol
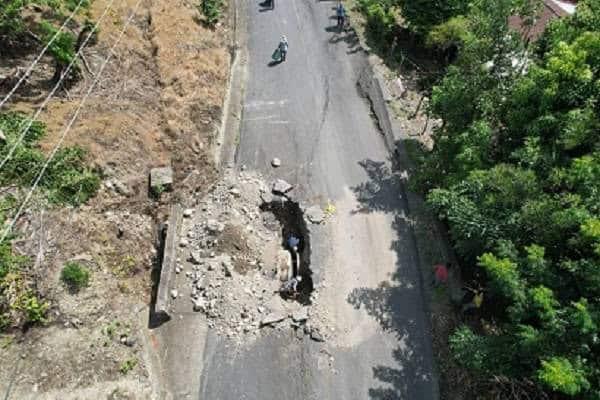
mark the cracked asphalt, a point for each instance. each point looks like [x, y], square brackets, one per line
[308, 112]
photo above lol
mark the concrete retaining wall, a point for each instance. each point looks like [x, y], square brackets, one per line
[371, 83]
[167, 272]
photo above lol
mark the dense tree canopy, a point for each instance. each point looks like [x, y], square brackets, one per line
[515, 173]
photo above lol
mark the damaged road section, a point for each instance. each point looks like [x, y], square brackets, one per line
[233, 253]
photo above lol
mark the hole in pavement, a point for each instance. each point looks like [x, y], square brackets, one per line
[291, 220]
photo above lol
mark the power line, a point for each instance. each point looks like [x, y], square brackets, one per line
[54, 89]
[39, 57]
[69, 125]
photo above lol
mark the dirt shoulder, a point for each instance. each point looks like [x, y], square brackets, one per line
[158, 103]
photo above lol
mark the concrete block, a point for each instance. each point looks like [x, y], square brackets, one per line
[161, 178]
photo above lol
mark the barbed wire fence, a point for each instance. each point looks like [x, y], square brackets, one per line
[39, 56]
[69, 125]
[58, 84]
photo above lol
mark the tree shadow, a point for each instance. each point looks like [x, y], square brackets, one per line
[397, 305]
[345, 35]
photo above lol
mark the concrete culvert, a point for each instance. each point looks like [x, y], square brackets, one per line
[294, 233]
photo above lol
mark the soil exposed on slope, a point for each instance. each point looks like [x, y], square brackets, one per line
[157, 103]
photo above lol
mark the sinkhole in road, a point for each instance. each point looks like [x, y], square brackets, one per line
[290, 216]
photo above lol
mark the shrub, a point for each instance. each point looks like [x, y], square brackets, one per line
[67, 179]
[75, 276]
[212, 10]
[128, 365]
[35, 310]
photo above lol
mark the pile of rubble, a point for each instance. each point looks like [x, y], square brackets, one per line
[231, 263]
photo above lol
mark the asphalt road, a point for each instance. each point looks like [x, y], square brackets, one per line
[308, 112]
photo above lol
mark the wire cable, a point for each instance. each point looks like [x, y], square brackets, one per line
[69, 125]
[54, 89]
[39, 57]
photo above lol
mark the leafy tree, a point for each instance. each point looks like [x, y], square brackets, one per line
[560, 375]
[515, 173]
[422, 15]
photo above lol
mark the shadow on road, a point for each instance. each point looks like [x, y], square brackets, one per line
[396, 304]
[346, 35]
[267, 5]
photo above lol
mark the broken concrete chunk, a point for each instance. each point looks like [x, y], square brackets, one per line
[272, 318]
[235, 192]
[196, 258]
[174, 293]
[200, 305]
[281, 187]
[227, 267]
[276, 162]
[121, 188]
[214, 226]
[184, 243]
[161, 178]
[316, 335]
[315, 214]
[300, 315]
[188, 212]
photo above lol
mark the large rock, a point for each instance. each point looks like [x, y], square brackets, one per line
[272, 318]
[161, 178]
[281, 187]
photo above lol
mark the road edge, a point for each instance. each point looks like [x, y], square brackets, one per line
[229, 131]
[372, 84]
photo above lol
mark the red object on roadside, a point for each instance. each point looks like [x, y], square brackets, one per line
[441, 273]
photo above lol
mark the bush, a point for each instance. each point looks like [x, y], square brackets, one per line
[75, 276]
[62, 49]
[212, 10]
[67, 179]
[128, 365]
[35, 310]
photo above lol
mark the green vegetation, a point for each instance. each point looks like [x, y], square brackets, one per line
[62, 50]
[11, 22]
[66, 181]
[18, 33]
[212, 11]
[515, 174]
[128, 365]
[75, 276]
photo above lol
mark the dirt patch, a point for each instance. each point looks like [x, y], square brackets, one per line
[233, 241]
[158, 103]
